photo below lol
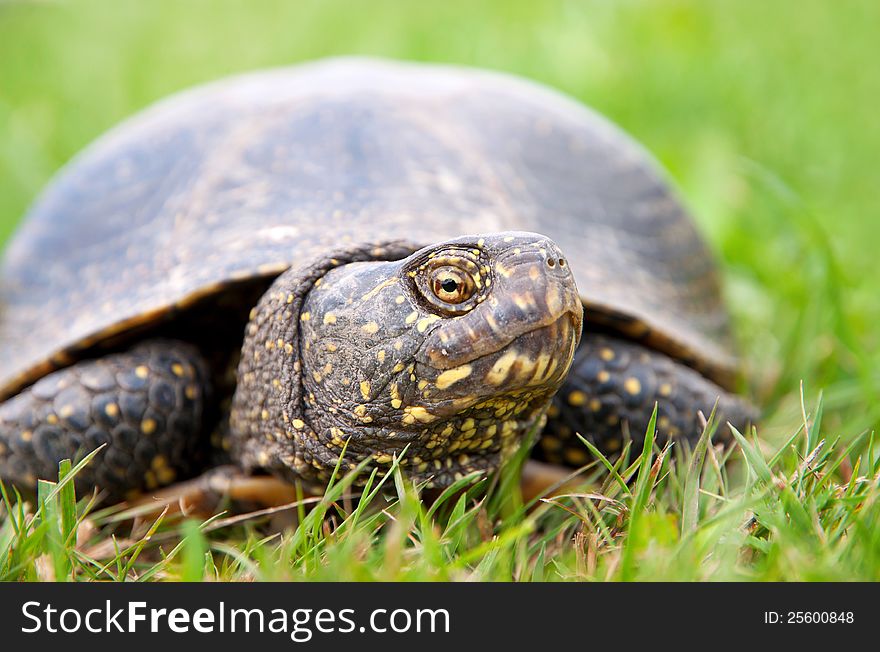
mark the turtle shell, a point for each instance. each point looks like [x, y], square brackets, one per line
[244, 177]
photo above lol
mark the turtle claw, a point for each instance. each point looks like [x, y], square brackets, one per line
[207, 494]
[542, 480]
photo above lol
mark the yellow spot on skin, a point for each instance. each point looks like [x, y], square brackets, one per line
[499, 371]
[382, 458]
[370, 327]
[541, 366]
[452, 376]
[65, 411]
[191, 392]
[399, 298]
[378, 288]
[427, 321]
[166, 475]
[288, 348]
[380, 356]
[264, 415]
[606, 354]
[534, 274]
[411, 317]
[665, 389]
[52, 419]
[177, 369]
[423, 384]
[330, 346]
[603, 376]
[365, 389]
[111, 409]
[415, 413]
[141, 371]
[396, 403]
[27, 435]
[299, 424]
[329, 318]
[328, 368]
[577, 398]
[595, 404]
[632, 386]
[360, 410]
[553, 298]
[148, 426]
[525, 302]
[290, 296]
[305, 316]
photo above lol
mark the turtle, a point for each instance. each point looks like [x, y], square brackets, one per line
[350, 262]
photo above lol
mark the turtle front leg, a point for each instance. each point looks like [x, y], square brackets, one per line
[610, 393]
[146, 405]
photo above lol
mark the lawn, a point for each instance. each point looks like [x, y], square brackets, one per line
[764, 114]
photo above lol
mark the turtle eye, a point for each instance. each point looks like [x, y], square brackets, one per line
[452, 285]
[450, 280]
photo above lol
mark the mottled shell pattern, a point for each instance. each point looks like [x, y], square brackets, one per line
[243, 178]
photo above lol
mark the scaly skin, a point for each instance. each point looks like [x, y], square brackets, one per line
[451, 352]
[361, 357]
[356, 354]
[610, 394]
[145, 405]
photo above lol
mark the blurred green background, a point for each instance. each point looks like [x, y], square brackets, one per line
[764, 112]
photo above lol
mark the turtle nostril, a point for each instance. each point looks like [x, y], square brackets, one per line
[551, 262]
[562, 262]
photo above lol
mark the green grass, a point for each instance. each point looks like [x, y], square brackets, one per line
[805, 514]
[765, 115]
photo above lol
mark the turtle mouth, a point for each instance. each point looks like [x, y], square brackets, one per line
[536, 356]
[555, 336]
[570, 322]
[531, 365]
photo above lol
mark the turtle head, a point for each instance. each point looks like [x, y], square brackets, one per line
[453, 353]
